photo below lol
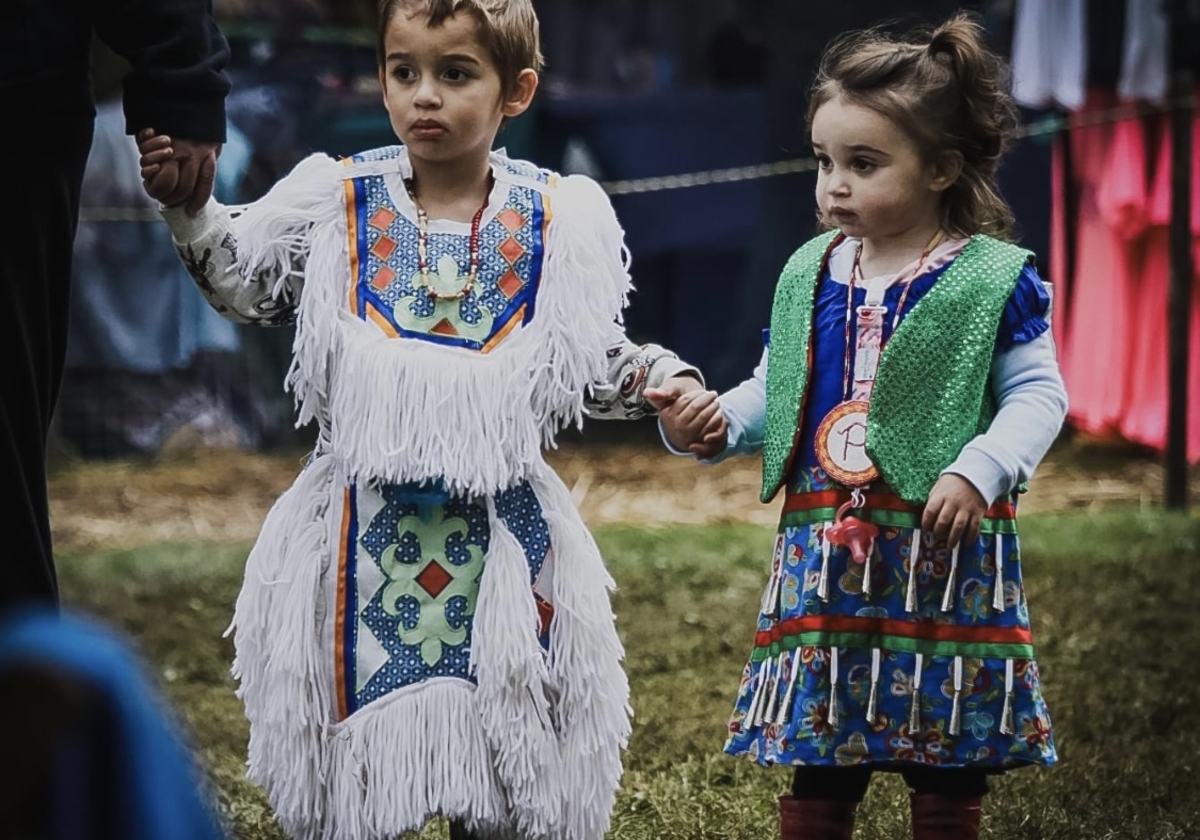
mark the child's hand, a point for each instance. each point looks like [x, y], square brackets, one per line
[691, 417]
[713, 438]
[954, 511]
[177, 171]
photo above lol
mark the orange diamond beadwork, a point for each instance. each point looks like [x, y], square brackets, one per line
[510, 284]
[383, 278]
[382, 219]
[512, 250]
[511, 219]
[444, 327]
[433, 578]
[384, 248]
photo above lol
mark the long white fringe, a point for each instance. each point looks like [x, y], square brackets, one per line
[592, 690]
[998, 586]
[387, 768]
[514, 694]
[419, 752]
[411, 410]
[785, 707]
[535, 749]
[284, 680]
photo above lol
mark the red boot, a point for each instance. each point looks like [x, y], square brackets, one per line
[937, 817]
[815, 819]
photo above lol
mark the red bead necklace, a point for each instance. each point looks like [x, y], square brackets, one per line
[423, 245]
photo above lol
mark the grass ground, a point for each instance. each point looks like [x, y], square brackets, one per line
[1114, 598]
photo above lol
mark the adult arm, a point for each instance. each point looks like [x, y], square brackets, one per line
[177, 84]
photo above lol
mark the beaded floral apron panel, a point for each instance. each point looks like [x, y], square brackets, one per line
[408, 580]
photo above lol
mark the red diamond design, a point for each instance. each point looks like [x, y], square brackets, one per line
[383, 218]
[434, 579]
[512, 250]
[384, 248]
[383, 278]
[510, 284]
[511, 219]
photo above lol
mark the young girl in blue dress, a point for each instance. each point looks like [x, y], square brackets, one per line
[907, 391]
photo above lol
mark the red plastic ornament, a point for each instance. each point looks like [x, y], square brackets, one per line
[856, 534]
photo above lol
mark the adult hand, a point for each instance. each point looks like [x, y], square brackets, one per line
[954, 510]
[178, 171]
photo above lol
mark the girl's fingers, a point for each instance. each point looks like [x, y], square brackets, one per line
[696, 402]
[929, 516]
[957, 528]
[973, 528]
[705, 416]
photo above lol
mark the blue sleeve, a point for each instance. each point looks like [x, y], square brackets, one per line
[1024, 316]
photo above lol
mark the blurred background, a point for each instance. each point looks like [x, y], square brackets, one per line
[636, 91]
[173, 435]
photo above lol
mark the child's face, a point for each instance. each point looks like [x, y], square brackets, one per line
[871, 179]
[441, 89]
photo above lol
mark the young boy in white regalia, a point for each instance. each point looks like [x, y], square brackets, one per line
[424, 626]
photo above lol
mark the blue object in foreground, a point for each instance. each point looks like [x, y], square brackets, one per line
[100, 754]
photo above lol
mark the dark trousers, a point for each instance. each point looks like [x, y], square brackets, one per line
[458, 832]
[41, 168]
[849, 783]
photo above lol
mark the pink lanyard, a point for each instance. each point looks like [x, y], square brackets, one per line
[869, 343]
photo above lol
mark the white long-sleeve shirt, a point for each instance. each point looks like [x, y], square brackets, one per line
[1031, 404]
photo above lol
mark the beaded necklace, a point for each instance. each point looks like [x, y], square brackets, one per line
[856, 274]
[840, 442]
[423, 245]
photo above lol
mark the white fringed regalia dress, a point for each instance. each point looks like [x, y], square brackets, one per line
[424, 626]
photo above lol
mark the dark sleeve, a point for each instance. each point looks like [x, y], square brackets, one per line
[177, 85]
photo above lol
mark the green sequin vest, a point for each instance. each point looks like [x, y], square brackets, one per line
[931, 396]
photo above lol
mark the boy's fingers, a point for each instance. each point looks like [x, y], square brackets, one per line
[204, 185]
[155, 156]
[659, 398]
[163, 183]
[160, 147]
[188, 168]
